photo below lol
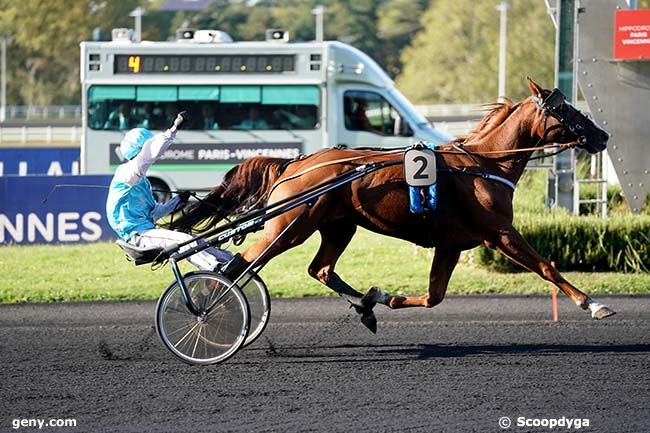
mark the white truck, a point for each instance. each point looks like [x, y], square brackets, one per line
[245, 99]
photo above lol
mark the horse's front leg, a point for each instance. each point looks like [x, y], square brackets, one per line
[510, 243]
[334, 239]
[444, 262]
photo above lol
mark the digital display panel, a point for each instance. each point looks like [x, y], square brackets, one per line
[231, 64]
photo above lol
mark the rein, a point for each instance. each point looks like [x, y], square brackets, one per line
[321, 165]
[562, 146]
[460, 150]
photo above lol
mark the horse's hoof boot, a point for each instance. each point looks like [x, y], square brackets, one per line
[369, 321]
[603, 312]
[368, 299]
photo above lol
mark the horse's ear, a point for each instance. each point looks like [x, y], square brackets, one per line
[535, 89]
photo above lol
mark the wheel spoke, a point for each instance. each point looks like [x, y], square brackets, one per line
[198, 335]
[188, 333]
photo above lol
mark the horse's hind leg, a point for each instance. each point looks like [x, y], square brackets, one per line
[298, 234]
[444, 262]
[510, 243]
[334, 240]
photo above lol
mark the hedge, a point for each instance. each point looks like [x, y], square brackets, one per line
[587, 243]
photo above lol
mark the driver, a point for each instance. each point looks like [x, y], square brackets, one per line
[131, 208]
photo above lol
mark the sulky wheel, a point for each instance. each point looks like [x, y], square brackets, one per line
[259, 304]
[213, 336]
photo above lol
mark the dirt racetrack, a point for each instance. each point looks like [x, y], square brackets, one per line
[459, 368]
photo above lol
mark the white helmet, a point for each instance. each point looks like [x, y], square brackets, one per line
[133, 141]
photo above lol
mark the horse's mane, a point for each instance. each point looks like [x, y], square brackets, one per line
[497, 113]
[243, 188]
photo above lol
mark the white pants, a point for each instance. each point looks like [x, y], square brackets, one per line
[206, 260]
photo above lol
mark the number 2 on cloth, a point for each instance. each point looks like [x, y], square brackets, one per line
[419, 167]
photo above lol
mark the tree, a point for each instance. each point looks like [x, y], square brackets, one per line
[353, 21]
[454, 57]
[398, 21]
[44, 52]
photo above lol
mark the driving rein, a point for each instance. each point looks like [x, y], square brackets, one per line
[458, 150]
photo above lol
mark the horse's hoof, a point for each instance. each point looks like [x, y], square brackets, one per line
[369, 320]
[602, 312]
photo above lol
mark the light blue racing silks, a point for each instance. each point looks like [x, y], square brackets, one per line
[129, 207]
[423, 199]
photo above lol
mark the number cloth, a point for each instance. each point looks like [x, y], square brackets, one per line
[423, 199]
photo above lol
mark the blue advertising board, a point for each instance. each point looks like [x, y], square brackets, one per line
[53, 161]
[33, 209]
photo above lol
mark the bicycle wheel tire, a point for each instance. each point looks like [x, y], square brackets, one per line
[259, 305]
[214, 336]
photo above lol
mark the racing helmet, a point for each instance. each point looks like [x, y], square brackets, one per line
[133, 141]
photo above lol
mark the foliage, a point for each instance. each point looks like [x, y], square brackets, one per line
[454, 58]
[586, 243]
[380, 28]
[530, 194]
[43, 54]
[452, 38]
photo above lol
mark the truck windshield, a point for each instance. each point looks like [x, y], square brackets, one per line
[405, 107]
[369, 111]
[210, 107]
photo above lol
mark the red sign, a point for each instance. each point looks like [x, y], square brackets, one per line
[632, 34]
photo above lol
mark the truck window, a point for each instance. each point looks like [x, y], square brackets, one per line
[210, 107]
[369, 111]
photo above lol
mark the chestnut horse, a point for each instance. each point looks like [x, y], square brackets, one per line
[471, 209]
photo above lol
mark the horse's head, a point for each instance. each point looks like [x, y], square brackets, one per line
[563, 123]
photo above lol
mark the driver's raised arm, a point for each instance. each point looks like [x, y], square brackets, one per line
[152, 149]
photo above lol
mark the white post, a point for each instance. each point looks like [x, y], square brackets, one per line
[137, 14]
[503, 33]
[318, 11]
[3, 84]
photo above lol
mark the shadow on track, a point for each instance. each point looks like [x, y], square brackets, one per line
[390, 353]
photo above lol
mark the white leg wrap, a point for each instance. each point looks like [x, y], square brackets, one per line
[594, 306]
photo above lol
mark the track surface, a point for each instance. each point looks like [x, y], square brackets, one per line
[458, 367]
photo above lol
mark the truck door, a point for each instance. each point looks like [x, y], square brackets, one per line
[366, 118]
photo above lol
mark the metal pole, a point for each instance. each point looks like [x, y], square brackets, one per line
[503, 33]
[319, 11]
[137, 14]
[562, 182]
[3, 84]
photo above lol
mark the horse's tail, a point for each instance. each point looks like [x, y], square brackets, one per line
[244, 187]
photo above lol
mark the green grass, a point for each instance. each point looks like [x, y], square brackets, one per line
[43, 273]
[100, 272]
